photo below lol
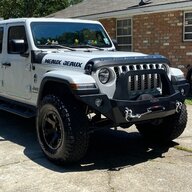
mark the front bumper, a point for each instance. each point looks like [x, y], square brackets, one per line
[132, 111]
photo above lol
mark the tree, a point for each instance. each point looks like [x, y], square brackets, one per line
[46, 7]
[32, 8]
[11, 8]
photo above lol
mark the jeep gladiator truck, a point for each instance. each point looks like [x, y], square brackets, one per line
[68, 74]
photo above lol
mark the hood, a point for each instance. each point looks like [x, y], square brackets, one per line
[77, 60]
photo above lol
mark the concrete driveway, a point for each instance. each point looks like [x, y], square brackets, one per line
[116, 161]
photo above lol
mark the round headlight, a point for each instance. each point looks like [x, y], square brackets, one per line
[104, 75]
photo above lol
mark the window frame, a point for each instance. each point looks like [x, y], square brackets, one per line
[131, 35]
[8, 38]
[1, 45]
[184, 25]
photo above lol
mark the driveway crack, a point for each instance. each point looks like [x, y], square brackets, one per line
[18, 162]
[109, 181]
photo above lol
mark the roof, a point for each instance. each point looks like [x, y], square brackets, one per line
[99, 9]
[41, 19]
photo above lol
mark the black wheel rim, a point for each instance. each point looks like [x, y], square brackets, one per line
[52, 130]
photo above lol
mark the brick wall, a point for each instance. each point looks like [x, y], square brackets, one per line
[158, 33]
[162, 33]
[110, 26]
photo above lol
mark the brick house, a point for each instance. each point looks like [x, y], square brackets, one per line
[157, 27]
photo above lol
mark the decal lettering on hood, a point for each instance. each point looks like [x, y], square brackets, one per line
[53, 61]
[73, 64]
[66, 63]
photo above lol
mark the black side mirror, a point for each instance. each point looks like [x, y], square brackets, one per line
[18, 46]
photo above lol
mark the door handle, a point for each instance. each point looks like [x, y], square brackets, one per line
[6, 64]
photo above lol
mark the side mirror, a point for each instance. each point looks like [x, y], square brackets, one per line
[18, 46]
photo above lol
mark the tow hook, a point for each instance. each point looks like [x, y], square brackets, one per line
[129, 113]
[178, 106]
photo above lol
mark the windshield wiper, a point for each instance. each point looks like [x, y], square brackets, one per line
[93, 46]
[56, 46]
[65, 47]
[90, 46]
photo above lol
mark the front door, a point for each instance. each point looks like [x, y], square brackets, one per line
[1, 57]
[17, 67]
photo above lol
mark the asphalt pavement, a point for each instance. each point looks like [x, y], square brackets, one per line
[117, 161]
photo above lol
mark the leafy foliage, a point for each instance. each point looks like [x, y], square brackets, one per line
[188, 101]
[32, 8]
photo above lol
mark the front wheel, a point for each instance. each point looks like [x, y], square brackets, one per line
[166, 129]
[61, 130]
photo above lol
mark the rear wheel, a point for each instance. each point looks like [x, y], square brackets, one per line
[164, 130]
[61, 130]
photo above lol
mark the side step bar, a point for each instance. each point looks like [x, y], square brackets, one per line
[23, 111]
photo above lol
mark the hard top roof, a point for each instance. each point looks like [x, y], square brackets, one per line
[42, 19]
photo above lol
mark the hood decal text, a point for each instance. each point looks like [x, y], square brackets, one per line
[66, 63]
[73, 64]
[53, 61]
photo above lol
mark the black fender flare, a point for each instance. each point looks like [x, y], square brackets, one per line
[52, 80]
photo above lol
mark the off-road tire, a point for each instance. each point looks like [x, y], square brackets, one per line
[164, 130]
[61, 130]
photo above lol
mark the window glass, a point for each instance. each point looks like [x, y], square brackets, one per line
[58, 34]
[16, 33]
[187, 26]
[1, 39]
[124, 34]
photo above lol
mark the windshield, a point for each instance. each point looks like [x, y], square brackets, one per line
[51, 34]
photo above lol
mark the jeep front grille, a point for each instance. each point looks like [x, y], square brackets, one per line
[141, 83]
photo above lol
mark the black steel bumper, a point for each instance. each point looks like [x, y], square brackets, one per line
[132, 111]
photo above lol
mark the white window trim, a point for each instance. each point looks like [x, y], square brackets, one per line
[120, 19]
[184, 33]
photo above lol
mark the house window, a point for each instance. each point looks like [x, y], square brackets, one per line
[124, 34]
[187, 26]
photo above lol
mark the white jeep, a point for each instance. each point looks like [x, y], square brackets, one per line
[68, 74]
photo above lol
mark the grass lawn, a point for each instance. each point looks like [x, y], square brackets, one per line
[188, 101]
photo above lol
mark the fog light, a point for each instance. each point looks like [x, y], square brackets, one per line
[98, 102]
